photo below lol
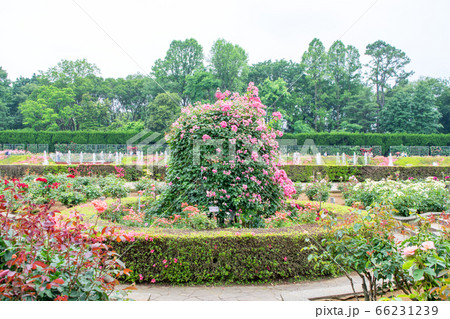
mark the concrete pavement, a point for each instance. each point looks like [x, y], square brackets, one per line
[302, 291]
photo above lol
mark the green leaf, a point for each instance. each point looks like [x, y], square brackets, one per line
[408, 264]
[418, 274]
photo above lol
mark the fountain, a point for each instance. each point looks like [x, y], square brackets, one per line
[344, 159]
[45, 158]
[165, 157]
[109, 157]
[365, 158]
[318, 159]
[93, 158]
[355, 160]
[68, 158]
[391, 162]
[81, 157]
[338, 159]
[102, 157]
[117, 158]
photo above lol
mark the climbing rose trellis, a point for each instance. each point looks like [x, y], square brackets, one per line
[224, 155]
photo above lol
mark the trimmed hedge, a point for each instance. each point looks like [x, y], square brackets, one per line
[132, 173]
[297, 173]
[335, 173]
[221, 257]
[65, 137]
[384, 140]
[121, 137]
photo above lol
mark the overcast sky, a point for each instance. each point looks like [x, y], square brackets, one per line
[36, 34]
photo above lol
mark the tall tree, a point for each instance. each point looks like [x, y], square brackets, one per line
[229, 64]
[359, 113]
[314, 63]
[201, 86]
[182, 59]
[5, 99]
[411, 109]
[51, 108]
[387, 66]
[344, 69]
[163, 111]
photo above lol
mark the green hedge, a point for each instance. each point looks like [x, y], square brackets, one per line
[121, 137]
[384, 140]
[297, 173]
[304, 173]
[221, 257]
[65, 137]
[132, 173]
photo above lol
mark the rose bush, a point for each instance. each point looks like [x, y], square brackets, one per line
[225, 155]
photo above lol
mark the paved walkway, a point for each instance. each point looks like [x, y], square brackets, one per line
[284, 292]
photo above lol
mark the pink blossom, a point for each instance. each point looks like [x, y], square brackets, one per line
[410, 250]
[206, 137]
[427, 245]
[244, 187]
[223, 124]
[153, 280]
[234, 128]
[285, 258]
[277, 114]
[141, 277]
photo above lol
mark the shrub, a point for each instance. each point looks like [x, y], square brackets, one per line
[427, 260]
[318, 190]
[113, 187]
[362, 242]
[49, 257]
[235, 169]
[406, 197]
[225, 257]
[71, 198]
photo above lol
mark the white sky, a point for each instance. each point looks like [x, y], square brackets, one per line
[36, 34]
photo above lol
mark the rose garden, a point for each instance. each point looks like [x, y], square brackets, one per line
[226, 207]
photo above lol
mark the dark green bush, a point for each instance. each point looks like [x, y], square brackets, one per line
[221, 257]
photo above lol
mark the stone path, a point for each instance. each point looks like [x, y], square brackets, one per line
[303, 291]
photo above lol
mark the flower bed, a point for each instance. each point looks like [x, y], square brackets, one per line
[406, 197]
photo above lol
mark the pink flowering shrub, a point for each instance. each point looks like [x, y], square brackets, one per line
[224, 155]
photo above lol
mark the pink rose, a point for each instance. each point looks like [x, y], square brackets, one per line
[206, 137]
[277, 114]
[410, 250]
[223, 124]
[234, 128]
[427, 245]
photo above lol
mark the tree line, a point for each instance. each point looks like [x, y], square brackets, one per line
[326, 91]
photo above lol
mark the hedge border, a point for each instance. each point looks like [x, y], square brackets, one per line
[297, 173]
[222, 258]
[121, 137]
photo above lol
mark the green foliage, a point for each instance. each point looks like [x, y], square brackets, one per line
[408, 197]
[426, 258]
[163, 111]
[318, 190]
[40, 260]
[229, 64]
[72, 198]
[362, 243]
[202, 258]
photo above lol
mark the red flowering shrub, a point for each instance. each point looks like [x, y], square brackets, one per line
[225, 155]
[48, 257]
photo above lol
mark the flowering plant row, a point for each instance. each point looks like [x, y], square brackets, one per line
[406, 197]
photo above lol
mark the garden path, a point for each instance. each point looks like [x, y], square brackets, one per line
[302, 291]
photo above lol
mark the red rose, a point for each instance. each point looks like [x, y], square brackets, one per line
[71, 176]
[40, 179]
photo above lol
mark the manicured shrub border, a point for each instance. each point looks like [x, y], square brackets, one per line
[297, 173]
[225, 258]
[384, 140]
[131, 173]
[303, 173]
